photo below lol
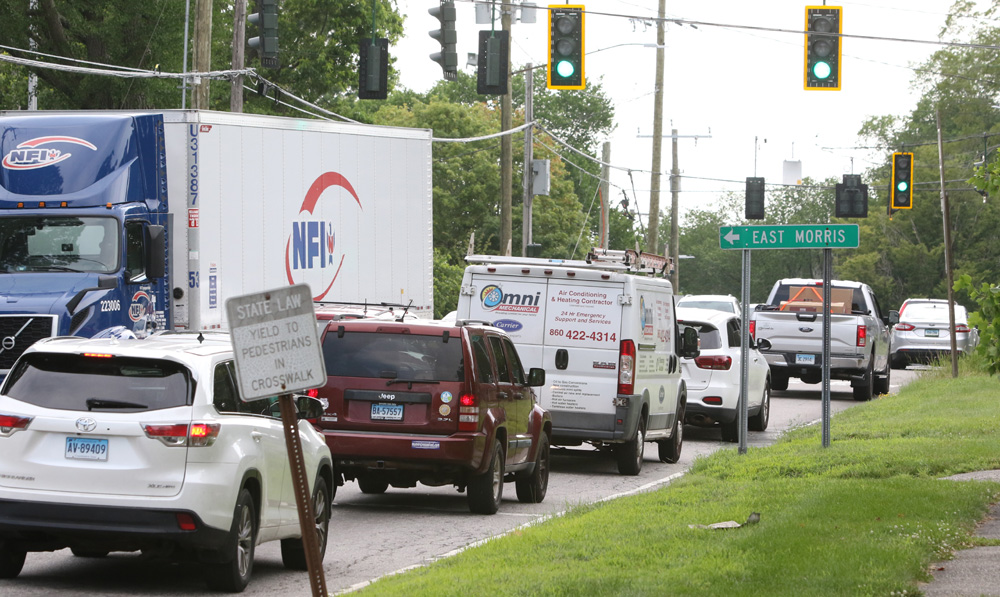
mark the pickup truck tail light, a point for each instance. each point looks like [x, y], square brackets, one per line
[718, 362]
[11, 423]
[904, 327]
[961, 328]
[195, 435]
[753, 328]
[626, 367]
[468, 413]
[862, 335]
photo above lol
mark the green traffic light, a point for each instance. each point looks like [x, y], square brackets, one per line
[901, 186]
[822, 70]
[565, 69]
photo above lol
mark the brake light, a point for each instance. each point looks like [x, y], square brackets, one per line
[195, 435]
[11, 423]
[313, 393]
[97, 355]
[718, 362]
[753, 328]
[904, 327]
[961, 328]
[626, 367]
[468, 413]
[862, 335]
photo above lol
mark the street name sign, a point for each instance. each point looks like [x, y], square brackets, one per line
[275, 342]
[808, 236]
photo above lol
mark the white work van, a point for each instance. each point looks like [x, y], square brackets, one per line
[607, 338]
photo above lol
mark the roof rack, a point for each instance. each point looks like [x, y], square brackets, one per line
[600, 259]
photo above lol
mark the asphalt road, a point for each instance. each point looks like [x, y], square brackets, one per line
[371, 536]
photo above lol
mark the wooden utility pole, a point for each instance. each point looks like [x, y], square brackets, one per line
[528, 192]
[652, 234]
[202, 51]
[605, 193]
[239, 41]
[949, 275]
[506, 152]
[675, 188]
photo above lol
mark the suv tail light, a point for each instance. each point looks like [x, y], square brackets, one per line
[962, 328]
[195, 435]
[626, 367]
[719, 362]
[862, 335]
[904, 327]
[468, 413]
[11, 423]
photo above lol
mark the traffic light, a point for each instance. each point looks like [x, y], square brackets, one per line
[266, 44]
[373, 71]
[755, 198]
[901, 192]
[852, 198]
[565, 47]
[491, 68]
[447, 37]
[823, 26]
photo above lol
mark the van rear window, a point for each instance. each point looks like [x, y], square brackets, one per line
[84, 383]
[392, 356]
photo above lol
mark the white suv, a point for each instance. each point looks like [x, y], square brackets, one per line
[125, 445]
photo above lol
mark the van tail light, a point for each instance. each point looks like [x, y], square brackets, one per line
[195, 435]
[11, 423]
[905, 327]
[961, 328]
[718, 362]
[626, 367]
[468, 413]
[862, 335]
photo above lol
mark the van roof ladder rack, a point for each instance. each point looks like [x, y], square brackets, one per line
[599, 259]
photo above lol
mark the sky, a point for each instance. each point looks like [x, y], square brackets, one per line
[740, 91]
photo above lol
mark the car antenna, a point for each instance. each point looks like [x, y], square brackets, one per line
[201, 338]
[405, 309]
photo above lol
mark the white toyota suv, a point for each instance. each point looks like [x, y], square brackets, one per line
[126, 445]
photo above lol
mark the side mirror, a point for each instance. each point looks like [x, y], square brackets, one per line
[156, 252]
[536, 377]
[308, 407]
[763, 344]
[893, 317]
[689, 343]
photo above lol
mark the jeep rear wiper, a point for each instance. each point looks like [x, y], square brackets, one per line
[93, 403]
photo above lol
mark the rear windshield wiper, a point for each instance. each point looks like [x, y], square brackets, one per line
[93, 403]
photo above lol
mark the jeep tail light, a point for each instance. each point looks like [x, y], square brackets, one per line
[185, 522]
[11, 423]
[195, 435]
[905, 327]
[468, 413]
[626, 367]
[961, 328]
[718, 362]
[862, 335]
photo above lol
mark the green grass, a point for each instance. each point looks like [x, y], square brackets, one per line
[865, 516]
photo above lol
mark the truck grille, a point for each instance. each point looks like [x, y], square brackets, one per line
[18, 332]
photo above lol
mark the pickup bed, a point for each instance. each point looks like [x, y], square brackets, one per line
[791, 322]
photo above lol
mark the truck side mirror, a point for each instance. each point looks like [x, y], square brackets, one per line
[536, 377]
[689, 343]
[156, 252]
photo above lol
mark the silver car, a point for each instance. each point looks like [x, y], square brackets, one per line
[922, 333]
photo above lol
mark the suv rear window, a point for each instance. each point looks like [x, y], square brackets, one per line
[121, 384]
[391, 356]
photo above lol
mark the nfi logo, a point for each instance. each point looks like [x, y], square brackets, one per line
[494, 298]
[30, 154]
[311, 252]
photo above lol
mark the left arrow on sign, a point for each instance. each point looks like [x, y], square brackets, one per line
[731, 237]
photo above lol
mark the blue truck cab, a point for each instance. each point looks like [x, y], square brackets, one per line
[83, 227]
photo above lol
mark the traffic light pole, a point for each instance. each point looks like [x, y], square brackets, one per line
[827, 314]
[506, 149]
[239, 40]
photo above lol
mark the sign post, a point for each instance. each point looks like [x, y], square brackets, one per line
[808, 236]
[277, 351]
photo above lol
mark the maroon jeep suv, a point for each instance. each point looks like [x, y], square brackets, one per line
[435, 403]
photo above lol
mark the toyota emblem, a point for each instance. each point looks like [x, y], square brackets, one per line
[86, 424]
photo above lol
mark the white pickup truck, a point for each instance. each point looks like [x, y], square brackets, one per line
[788, 329]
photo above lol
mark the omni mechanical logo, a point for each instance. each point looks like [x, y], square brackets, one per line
[30, 154]
[645, 317]
[494, 298]
[311, 252]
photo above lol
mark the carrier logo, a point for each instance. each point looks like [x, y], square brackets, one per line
[30, 154]
[311, 250]
[495, 299]
[508, 325]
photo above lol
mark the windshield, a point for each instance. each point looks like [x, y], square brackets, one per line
[392, 356]
[95, 383]
[59, 243]
[726, 306]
